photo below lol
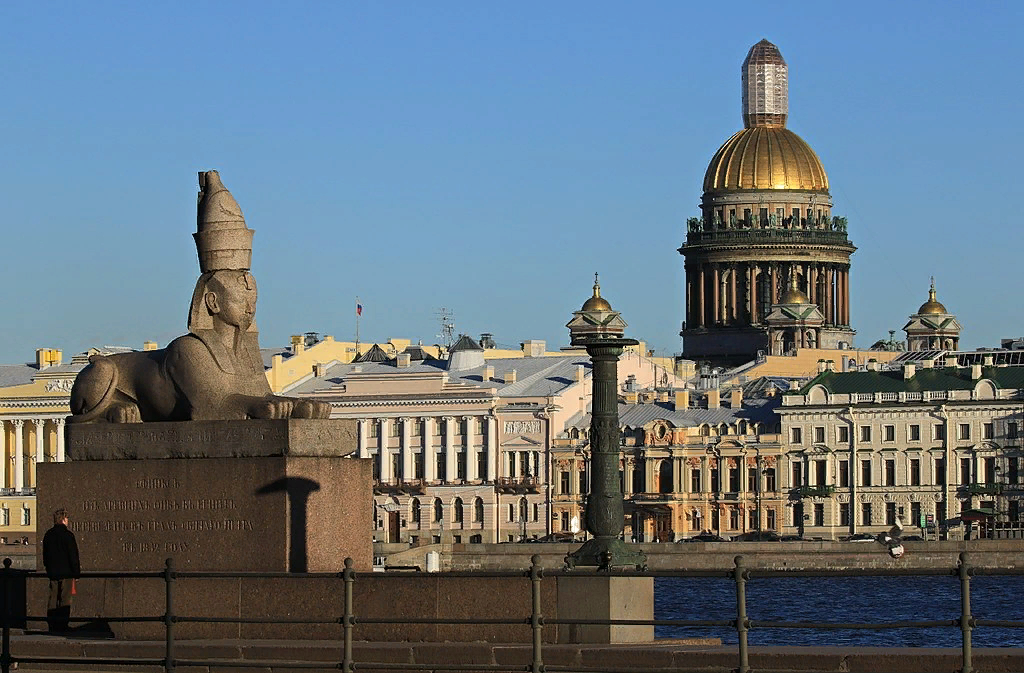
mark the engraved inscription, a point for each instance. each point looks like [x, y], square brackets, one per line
[183, 524]
[522, 427]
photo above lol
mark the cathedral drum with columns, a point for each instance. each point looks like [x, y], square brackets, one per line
[766, 226]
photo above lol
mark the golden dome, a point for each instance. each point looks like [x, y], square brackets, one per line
[794, 295]
[932, 306]
[765, 157]
[597, 302]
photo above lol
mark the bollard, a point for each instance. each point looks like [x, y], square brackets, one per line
[966, 621]
[740, 573]
[169, 616]
[536, 619]
[348, 619]
[5, 648]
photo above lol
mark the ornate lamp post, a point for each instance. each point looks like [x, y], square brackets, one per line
[601, 330]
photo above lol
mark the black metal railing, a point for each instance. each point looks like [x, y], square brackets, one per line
[348, 618]
[755, 236]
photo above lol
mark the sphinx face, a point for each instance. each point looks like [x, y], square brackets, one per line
[236, 298]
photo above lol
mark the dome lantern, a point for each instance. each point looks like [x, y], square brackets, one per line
[765, 86]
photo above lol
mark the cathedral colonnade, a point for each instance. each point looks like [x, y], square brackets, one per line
[742, 293]
[26, 441]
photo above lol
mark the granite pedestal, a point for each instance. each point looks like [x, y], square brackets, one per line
[247, 496]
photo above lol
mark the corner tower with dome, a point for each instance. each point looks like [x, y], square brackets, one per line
[765, 225]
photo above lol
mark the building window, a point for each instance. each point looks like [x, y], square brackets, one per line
[797, 475]
[890, 433]
[511, 515]
[438, 510]
[939, 431]
[915, 471]
[865, 473]
[714, 480]
[695, 480]
[940, 471]
[5, 516]
[915, 514]
[734, 479]
[890, 472]
[563, 482]
[536, 512]
[460, 464]
[865, 433]
[890, 514]
[441, 473]
[819, 434]
[769, 518]
[844, 514]
[395, 430]
[915, 433]
[769, 479]
[417, 426]
[988, 431]
[415, 510]
[843, 433]
[865, 513]
[796, 435]
[457, 514]
[844, 473]
[478, 510]
[374, 428]
[990, 470]
[820, 473]
[417, 465]
[583, 480]
[734, 519]
[752, 519]
[819, 514]
[965, 470]
[965, 431]
[476, 539]
[1014, 470]
[752, 479]
[1011, 430]
[565, 521]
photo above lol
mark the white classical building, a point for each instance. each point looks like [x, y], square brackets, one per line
[929, 441]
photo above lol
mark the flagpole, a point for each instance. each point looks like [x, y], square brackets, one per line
[358, 316]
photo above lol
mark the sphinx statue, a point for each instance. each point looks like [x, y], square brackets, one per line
[215, 372]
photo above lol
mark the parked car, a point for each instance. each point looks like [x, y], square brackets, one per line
[706, 537]
[757, 536]
[859, 537]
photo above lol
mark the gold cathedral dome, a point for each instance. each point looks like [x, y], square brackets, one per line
[932, 306]
[596, 302]
[765, 154]
[794, 295]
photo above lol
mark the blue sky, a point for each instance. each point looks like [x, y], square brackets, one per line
[485, 157]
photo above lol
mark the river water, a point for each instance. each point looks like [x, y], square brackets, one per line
[844, 600]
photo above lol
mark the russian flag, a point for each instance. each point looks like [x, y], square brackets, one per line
[359, 308]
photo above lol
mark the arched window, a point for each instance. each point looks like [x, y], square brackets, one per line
[438, 510]
[457, 513]
[665, 477]
[415, 510]
[478, 510]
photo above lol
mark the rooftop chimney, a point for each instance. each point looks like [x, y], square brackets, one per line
[488, 373]
[821, 366]
[736, 397]
[988, 360]
[830, 365]
[510, 376]
[975, 372]
[950, 360]
[872, 365]
[908, 371]
[149, 345]
[682, 400]
[298, 344]
[319, 369]
[47, 357]
[581, 373]
[534, 348]
[714, 399]
[403, 360]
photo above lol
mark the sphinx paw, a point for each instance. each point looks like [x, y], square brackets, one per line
[124, 413]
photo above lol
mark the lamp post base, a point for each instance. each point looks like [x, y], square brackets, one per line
[606, 554]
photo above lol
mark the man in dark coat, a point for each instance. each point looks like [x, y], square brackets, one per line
[60, 558]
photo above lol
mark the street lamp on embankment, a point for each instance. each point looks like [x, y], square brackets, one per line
[601, 331]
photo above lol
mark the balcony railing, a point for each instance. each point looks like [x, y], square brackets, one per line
[756, 236]
[985, 489]
[822, 491]
[518, 484]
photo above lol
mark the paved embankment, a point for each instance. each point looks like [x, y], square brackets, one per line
[721, 555]
[267, 657]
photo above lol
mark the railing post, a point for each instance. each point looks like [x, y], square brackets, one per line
[536, 619]
[348, 618]
[169, 615]
[5, 648]
[966, 621]
[740, 574]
